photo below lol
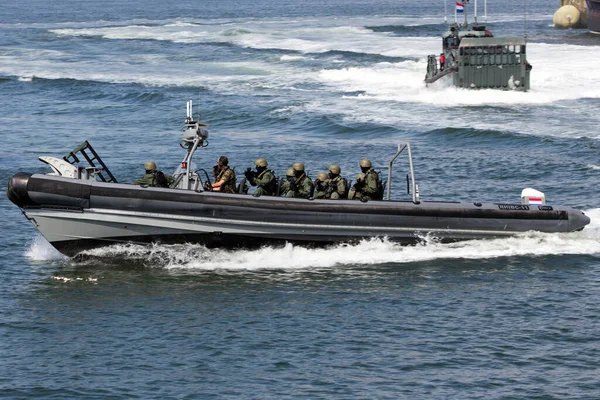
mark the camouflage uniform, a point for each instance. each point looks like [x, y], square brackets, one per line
[285, 186]
[228, 175]
[150, 180]
[303, 188]
[368, 186]
[266, 183]
[321, 185]
[338, 188]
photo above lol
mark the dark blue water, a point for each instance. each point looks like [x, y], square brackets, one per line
[321, 82]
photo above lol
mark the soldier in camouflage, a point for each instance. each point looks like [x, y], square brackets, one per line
[352, 193]
[224, 177]
[285, 186]
[337, 186]
[321, 185]
[370, 187]
[301, 186]
[153, 177]
[263, 178]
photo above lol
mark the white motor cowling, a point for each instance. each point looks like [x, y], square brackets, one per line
[60, 167]
[533, 197]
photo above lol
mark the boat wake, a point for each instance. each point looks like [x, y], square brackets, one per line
[368, 252]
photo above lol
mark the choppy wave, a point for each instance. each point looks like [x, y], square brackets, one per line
[297, 37]
[551, 81]
[356, 73]
[368, 252]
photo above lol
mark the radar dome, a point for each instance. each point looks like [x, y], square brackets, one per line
[566, 17]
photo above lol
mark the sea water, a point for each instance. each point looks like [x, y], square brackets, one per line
[319, 82]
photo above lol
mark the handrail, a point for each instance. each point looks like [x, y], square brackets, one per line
[412, 176]
[415, 193]
[389, 181]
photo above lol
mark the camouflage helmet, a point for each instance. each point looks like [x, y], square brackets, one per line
[335, 169]
[360, 177]
[365, 163]
[322, 176]
[298, 166]
[261, 162]
[289, 172]
[150, 166]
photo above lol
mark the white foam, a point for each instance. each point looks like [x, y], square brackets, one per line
[368, 252]
[551, 81]
[306, 36]
[66, 279]
[41, 250]
[286, 57]
[592, 166]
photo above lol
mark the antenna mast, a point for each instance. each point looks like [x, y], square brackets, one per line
[446, 12]
[485, 9]
[525, 20]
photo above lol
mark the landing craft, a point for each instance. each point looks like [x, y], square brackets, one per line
[79, 207]
[474, 59]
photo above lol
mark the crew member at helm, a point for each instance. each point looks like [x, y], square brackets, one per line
[153, 177]
[224, 176]
[262, 177]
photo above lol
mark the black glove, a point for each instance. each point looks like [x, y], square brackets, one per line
[249, 173]
[207, 187]
[332, 187]
[293, 186]
[359, 184]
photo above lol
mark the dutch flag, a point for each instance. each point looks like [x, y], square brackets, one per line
[460, 8]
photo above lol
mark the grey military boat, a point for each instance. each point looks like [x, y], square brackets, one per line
[473, 58]
[78, 207]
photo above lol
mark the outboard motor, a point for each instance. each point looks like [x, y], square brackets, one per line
[530, 196]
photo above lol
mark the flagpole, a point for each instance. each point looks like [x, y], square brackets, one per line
[455, 14]
[485, 10]
[475, 13]
[446, 12]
